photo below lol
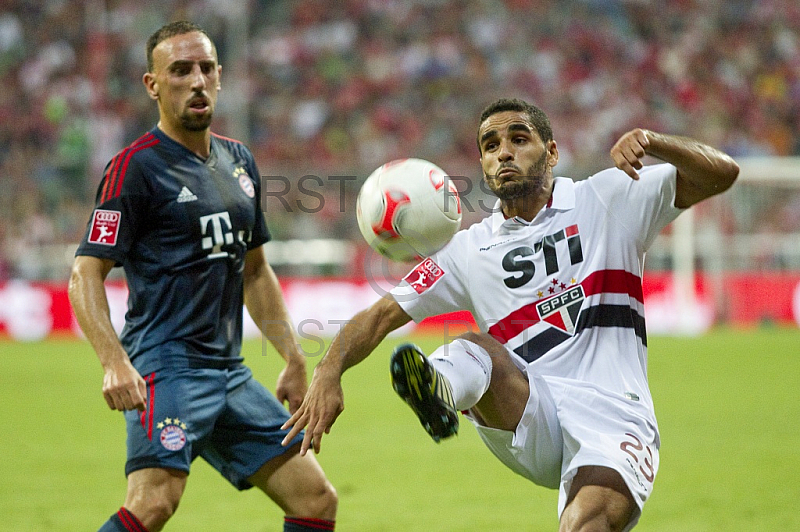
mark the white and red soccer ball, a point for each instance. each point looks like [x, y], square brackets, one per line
[408, 209]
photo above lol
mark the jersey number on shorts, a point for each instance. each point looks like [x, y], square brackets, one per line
[635, 444]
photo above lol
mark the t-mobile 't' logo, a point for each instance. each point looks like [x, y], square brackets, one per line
[216, 229]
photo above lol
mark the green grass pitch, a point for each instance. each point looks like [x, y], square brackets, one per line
[727, 406]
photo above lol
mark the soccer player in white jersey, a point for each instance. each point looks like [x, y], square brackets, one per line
[556, 380]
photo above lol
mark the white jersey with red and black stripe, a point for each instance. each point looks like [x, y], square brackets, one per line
[563, 292]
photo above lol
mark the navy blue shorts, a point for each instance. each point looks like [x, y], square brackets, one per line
[224, 416]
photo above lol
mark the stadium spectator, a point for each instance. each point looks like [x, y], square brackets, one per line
[356, 83]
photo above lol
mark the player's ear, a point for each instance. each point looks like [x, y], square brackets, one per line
[219, 77]
[552, 153]
[151, 85]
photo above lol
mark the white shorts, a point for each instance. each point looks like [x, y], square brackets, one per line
[567, 425]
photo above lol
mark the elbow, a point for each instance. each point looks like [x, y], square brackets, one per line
[388, 316]
[85, 271]
[75, 277]
[726, 172]
[731, 173]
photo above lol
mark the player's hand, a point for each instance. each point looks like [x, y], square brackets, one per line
[323, 403]
[629, 150]
[292, 384]
[123, 387]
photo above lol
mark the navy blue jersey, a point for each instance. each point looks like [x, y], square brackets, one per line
[180, 226]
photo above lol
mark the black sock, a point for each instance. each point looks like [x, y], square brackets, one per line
[124, 521]
[304, 524]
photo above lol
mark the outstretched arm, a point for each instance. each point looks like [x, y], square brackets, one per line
[356, 340]
[123, 387]
[265, 304]
[703, 171]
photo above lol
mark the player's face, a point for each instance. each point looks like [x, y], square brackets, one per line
[185, 81]
[516, 162]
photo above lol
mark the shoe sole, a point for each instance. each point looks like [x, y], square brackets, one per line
[412, 379]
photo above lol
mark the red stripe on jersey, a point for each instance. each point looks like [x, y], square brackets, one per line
[116, 171]
[146, 416]
[107, 177]
[614, 281]
[603, 281]
[130, 521]
[113, 168]
[118, 188]
[151, 403]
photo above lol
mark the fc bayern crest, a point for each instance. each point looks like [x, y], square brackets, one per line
[173, 438]
[245, 182]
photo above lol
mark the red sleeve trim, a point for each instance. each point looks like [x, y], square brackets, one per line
[115, 174]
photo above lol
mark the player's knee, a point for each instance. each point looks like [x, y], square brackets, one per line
[162, 511]
[481, 339]
[599, 501]
[154, 494]
[328, 502]
[493, 348]
[153, 512]
[319, 501]
[593, 522]
[502, 366]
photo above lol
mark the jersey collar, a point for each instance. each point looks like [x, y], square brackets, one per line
[563, 199]
[157, 131]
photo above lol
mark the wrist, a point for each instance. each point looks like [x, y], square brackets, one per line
[296, 361]
[328, 367]
[113, 358]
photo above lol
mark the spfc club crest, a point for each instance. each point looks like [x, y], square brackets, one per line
[561, 311]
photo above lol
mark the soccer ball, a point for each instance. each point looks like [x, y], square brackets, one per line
[408, 209]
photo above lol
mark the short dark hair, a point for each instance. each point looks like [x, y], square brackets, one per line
[167, 31]
[537, 117]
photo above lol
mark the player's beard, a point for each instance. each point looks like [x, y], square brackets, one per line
[534, 182]
[193, 122]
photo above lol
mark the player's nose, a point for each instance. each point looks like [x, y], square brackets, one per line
[198, 78]
[504, 151]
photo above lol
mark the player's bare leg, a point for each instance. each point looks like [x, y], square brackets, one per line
[298, 485]
[153, 495]
[598, 500]
[503, 403]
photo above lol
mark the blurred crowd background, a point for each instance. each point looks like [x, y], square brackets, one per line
[336, 88]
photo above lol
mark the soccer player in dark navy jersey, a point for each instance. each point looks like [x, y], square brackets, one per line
[179, 210]
[205, 222]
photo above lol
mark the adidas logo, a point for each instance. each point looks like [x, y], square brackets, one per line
[186, 195]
